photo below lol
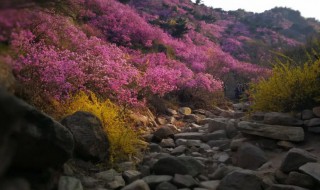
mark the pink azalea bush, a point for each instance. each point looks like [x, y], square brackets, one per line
[110, 48]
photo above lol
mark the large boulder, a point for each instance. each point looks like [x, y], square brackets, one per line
[277, 118]
[91, 142]
[295, 158]
[178, 165]
[250, 157]
[279, 132]
[241, 180]
[31, 142]
[30, 139]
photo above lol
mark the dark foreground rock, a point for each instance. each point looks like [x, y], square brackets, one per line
[31, 142]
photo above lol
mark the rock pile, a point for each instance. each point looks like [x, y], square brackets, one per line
[219, 153]
[214, 150]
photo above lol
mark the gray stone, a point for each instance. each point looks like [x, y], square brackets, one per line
[285, 145]
[154, 180]
[299, 179]
[217, 124]
[179, 150]
[312, 169]
[250, 157]
[178, 165]
[137, 185]
[91, 142]
[167, 143]
[272, 131]
[222, 157]
[285, 187]
[277, 118]
[191, 135]
[231, 128]
[184, 181]
[191, 118]
[153, 147]
[316, 111]
[221, 144]
[131, 175]
[296, 158]
[236, 143]
[211, 185]
[241, 180]
[90, 182]
[315, 122]
[195, 143]
[185, 110]
[222, 171]
[166, 186]
[163, 133]
[69, 183]
[216, 135]
[117, 183]
[203, 147]
[181, 142]
[108, 175]
[307, 114]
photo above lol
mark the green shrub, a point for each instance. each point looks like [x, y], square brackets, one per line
[290, 88]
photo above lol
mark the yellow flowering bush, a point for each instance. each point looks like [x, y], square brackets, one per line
[124, 139]
[290, 88]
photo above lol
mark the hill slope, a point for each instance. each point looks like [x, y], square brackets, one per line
[129, 50]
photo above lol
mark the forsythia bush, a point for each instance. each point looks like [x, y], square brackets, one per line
[288, 89]
[124, 140]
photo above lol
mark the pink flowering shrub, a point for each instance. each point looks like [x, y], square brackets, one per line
[111, 49]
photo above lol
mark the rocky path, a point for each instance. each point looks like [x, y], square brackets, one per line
[223, 151]
[213, 150]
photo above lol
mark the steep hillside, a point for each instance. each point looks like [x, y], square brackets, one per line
[127, 51]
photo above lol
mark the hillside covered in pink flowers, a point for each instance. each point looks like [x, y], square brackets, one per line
[128, 50]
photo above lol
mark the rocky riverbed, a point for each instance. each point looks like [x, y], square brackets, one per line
[214, 149]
